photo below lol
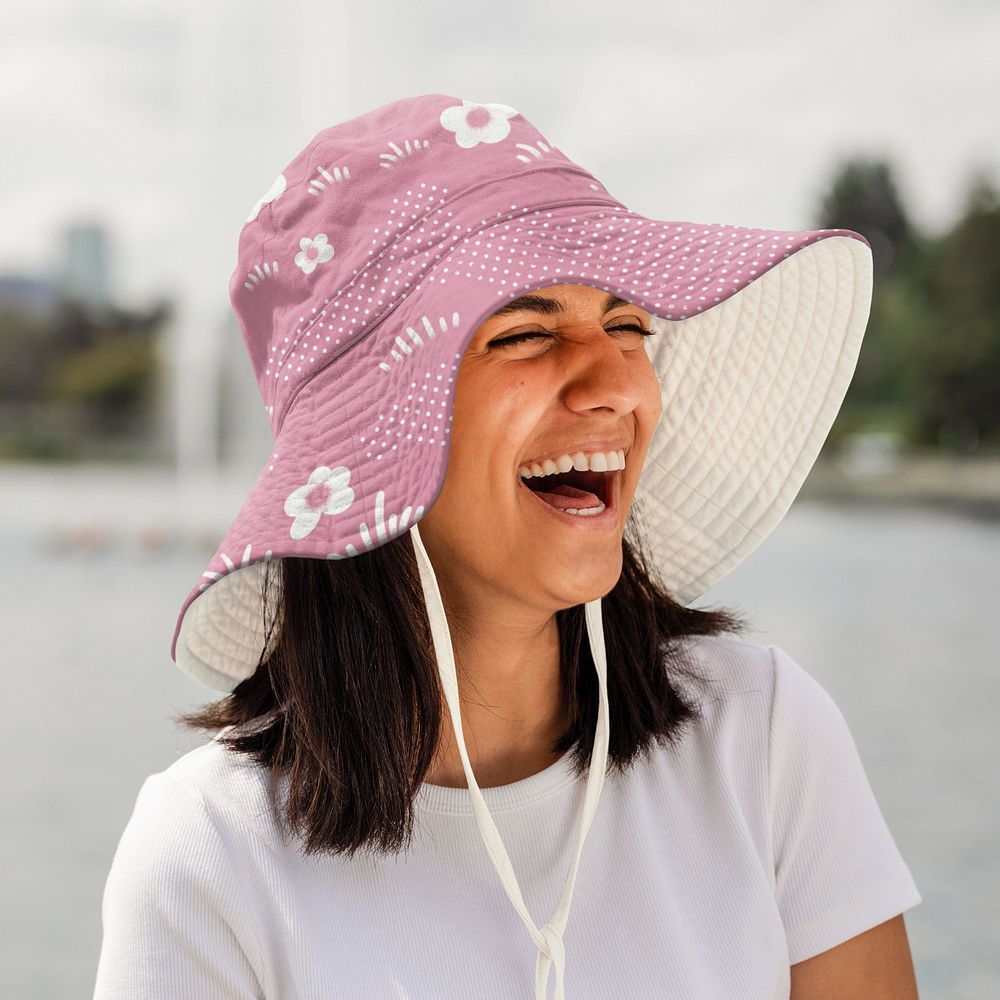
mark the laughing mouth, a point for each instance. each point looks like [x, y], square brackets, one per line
[598, 483]
[586, 494]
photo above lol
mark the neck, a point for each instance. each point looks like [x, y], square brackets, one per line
[510, 702]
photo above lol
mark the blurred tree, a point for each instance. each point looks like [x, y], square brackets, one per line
[113, 378]
[22, 359]
[956, 384]
[81, 374]
[863, 196]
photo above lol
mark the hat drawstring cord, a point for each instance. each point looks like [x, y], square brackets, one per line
[549, 938]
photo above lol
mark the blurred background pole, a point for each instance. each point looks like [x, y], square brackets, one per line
[200, 275]
[218, 418]
[333, 84]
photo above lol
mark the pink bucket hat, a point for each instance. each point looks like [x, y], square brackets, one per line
[375, 254]
[363, 272]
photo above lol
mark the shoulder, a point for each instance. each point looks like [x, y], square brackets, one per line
[729, 669]
[761, 693]
[729, 683]
[757, 703]
[210, 794]
[181, 908]
[727, 660]
[197, 831]
[724, 674]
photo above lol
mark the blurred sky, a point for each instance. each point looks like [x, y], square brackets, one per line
[168, 119]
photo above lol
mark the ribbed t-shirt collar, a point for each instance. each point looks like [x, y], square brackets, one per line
[500, 798]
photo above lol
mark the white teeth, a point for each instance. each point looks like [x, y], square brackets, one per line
[599, 461]
[587, 511]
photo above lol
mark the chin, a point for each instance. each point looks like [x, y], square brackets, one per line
[590, 579]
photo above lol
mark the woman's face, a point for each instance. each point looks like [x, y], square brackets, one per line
[581, 382]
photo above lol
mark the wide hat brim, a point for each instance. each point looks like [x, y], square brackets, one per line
[758, 335]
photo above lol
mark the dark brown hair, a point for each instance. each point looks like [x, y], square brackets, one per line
[349, 707]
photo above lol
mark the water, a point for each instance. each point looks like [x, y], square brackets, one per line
[893, 610]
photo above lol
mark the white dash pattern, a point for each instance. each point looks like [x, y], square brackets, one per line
[407, 348]
[389, 160]
[317, 185]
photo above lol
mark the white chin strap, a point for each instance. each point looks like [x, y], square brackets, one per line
[549, 937]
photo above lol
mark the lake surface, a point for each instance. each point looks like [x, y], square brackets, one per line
[894, 610]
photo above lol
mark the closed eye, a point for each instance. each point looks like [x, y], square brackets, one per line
[518, 338]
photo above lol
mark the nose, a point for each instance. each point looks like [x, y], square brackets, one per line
[602, 372]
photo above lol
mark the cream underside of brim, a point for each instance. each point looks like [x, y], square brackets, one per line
[750, 389]
[223, 631]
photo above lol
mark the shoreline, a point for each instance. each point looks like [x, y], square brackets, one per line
[969, 484]
[149, 508]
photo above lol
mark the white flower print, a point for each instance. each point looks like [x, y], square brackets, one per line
[473, 123]
[326, 492]
[273, 192]
[313, 251]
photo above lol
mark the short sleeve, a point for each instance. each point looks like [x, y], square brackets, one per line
[837, 869]
[174, 920]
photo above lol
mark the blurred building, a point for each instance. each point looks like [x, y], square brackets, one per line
[34, 295]
[81, 274]
[84, 273]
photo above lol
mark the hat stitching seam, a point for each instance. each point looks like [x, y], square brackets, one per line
[379, 318]
[739, 518]
[839, 358]
[696, 552]
[455, 199]
[819, 274]
[779, 367]
[782, 365]
[705, 354]
[665, 470]
[741, 301]
[805, 340]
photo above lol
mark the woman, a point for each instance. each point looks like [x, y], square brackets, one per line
[455, 326]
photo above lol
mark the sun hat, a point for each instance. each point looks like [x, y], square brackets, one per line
[364, 270]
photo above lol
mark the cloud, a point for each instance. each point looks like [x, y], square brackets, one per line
[169, 118]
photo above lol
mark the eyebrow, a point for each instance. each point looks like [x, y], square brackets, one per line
[550, 307]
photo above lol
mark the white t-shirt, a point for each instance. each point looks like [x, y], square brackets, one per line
[709, 869]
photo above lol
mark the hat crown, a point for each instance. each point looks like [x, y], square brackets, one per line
[364, 211]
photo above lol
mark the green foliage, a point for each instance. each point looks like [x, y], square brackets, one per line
[22, 341]
[114, 374]
[29, 444]
[864, 197]
[956, 390]
[74, 375]
[930, 363]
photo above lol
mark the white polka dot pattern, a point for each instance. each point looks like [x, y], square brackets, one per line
[390, 238]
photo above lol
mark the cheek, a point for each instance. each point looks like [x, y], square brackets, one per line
[482, 398]
[493, 415]
[648, 412]
[655, 403]
[650, 398]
